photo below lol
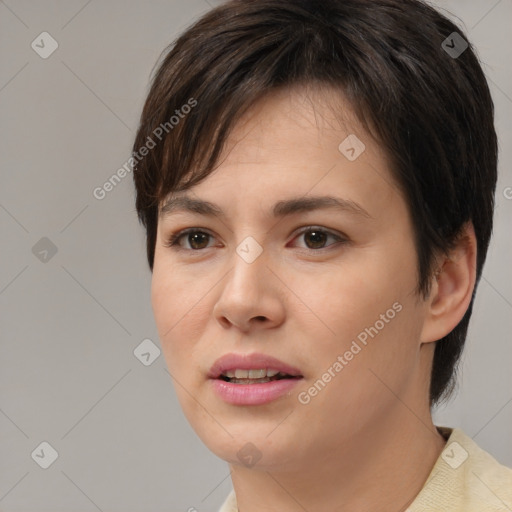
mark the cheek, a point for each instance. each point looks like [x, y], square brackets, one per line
[344, 298]
[173, 294]
[362, 309]
[369, 377]
[177, 344]
[181, 308]
[169, 302]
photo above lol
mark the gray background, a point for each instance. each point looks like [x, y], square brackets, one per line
[70, 325]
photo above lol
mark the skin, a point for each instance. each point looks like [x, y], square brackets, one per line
[370, 428]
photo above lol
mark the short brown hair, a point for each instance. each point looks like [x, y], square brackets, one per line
[431, 111]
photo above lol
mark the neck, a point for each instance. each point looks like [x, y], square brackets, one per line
[380, 469]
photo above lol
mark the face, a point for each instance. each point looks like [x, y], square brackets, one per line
[328, 291]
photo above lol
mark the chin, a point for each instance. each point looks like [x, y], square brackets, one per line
[258, 450]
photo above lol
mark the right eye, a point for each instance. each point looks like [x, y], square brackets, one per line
[198, 239]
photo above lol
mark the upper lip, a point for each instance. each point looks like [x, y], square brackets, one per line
[250, 362]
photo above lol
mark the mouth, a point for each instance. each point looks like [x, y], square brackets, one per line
[252, 379]
[260, 376]
[244, 368]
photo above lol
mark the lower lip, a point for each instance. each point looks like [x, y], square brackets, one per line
[253, 394]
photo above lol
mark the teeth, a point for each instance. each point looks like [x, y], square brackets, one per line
[250, 374]
[250, 381]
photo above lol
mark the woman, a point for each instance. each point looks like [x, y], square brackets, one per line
[316, 180]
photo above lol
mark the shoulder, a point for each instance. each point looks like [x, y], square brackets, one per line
[229, 504]
[465, 478]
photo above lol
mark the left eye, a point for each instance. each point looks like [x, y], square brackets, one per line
[195, 237]
[318, 236]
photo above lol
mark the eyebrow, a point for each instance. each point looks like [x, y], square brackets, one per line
[280, 209]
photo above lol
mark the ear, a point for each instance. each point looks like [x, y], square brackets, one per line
[452, 288]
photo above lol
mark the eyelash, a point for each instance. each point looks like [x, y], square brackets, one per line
[173, 240]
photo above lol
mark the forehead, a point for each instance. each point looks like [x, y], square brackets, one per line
[300, 116]
[293, 141]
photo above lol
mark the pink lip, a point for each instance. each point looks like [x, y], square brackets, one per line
[250, 362]
[251, 394]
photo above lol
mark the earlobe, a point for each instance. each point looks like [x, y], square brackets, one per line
[452, 288]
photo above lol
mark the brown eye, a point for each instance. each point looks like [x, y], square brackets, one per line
[198, 240]
[316, 238]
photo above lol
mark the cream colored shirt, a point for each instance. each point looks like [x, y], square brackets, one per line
[464, 478]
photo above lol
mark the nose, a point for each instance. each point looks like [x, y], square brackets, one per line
[252, 295]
